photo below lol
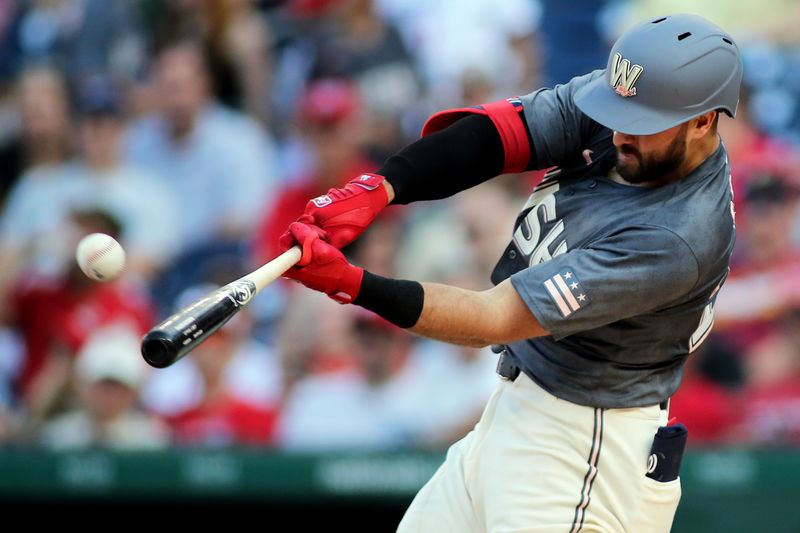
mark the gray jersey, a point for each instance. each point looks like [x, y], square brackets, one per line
[624, 278]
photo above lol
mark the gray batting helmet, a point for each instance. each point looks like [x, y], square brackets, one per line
[664, 72]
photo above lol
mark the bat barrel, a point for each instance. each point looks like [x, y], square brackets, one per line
[158, 349]
[179, 334]
[172, 339]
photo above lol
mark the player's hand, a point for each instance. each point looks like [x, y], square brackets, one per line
[346, 212]
[322, 267]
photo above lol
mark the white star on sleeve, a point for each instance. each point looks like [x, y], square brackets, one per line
[581, 297]
[573, 285]
[568, 275]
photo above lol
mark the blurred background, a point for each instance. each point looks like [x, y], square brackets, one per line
[194, 131]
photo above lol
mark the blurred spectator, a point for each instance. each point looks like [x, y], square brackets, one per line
[366, 407]
[359, 45]
[458, 236]
[217, 161]
[448, 390]
[56, 314]
[450, 383]
[109, 371]
[39, 207]
[29, 218]
[324, 348]
[766, 264]
[80, 37]
[236, 38]
[770, 405]
[142, 203]
[451, 37]
[375, 249]
[330, 114]
[707, 399]
[754, 154]
[398, 393]
[43, 139]
[225, 393]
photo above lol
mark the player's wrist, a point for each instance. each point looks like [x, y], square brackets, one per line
[398, 301]
[387, 185]
[375, 192]
[349, 285]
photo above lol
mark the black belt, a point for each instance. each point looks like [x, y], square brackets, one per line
[510, 371]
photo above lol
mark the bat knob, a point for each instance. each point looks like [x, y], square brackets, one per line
[158, 351]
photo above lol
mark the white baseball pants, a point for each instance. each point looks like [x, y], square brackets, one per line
[535, 463]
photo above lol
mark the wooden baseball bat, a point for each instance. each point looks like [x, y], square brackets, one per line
[180, 333]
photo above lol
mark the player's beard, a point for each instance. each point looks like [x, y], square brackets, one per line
[654, 166]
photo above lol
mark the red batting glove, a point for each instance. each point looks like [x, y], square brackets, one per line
[346, 212]
[323, 267]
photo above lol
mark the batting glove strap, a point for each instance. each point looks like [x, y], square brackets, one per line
[346, 212]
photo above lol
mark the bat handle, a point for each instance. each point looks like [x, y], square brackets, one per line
[271, 271]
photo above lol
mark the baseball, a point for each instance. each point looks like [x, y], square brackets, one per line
[100, 257]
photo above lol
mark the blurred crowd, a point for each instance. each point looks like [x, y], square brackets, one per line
[194, 131]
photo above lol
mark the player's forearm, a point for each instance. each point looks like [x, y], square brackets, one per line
[451, 314]
[442, 164]
[457, 316]
[475, 318]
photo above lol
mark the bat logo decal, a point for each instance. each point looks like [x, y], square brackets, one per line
[241, 292]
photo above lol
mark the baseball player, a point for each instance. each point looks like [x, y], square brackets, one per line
[607, 286]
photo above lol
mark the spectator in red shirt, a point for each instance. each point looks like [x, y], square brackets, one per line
[706, 401]
[55, 316]
[753, 153]
[765, 267]
[770, 407]
[330, 116]
[223, 416]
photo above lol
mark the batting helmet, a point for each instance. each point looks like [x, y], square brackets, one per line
[662, 73]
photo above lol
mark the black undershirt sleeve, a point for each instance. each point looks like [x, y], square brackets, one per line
[449, 161]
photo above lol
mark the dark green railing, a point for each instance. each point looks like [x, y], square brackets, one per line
[723, 491]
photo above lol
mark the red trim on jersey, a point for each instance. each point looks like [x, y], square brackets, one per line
[505, 116]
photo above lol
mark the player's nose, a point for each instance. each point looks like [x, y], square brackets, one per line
[620, 139]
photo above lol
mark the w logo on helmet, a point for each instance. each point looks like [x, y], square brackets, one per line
[624, 75]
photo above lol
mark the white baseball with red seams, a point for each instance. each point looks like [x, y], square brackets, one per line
[100, 257]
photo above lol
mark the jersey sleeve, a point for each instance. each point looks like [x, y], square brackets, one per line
[559, 129]
[634, 271]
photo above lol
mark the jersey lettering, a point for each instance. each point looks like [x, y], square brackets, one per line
[528, 235]
[706, 319]
[730, 185]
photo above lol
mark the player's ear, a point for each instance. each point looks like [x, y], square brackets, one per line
[701, 125]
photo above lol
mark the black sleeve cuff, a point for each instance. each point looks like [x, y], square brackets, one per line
[398, 301]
